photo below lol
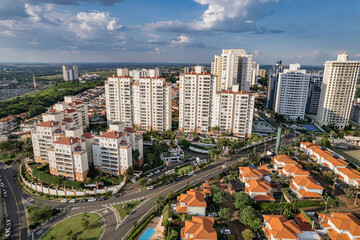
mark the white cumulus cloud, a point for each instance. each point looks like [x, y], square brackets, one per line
[182, 41]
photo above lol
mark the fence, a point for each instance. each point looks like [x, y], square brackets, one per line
[68, 192]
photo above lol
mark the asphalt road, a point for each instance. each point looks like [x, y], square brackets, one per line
[113, 228]
[14, 206]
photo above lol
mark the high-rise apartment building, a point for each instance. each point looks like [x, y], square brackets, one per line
[232, 112]
[255, 73]
[70, 74]
[291, 94]
[273, 84]
[143, 103]
[338, 91]
[314, 92]
[233, 67]
[68, 158]
[355, 111]
[113, 150]
[195, 92]
[202, 107]
[262, 73]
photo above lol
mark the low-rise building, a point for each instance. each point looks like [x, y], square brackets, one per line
[340, 225]
[199, 228]
[294, 171]
[306, 188]
[192, 202]
[259, 190]
[281, 161]
[249, 173]
[278, 227]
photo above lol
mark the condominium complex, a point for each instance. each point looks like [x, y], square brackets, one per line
[313, 98]
[232, 112]
[291, 94]
[195, 101]
[144, 103]
[70, 74]
[202, 107]
[113, 150]
[272, 84]
[338, 91]
[355, 111]
[254, 73]
[233, 67]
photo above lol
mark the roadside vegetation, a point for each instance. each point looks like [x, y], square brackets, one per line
[124, 209]
[38, 214]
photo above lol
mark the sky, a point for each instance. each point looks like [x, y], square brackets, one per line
[177, 31]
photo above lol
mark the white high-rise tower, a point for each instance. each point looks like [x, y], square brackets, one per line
[338, 91]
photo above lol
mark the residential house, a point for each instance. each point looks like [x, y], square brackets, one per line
[340, 226]
[191, 202]
[281, 161]
[306, 187]
[199, 228]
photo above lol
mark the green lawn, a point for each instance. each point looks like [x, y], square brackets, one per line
[351, 155]
[125, 208]
[73, 228]
[184, 169]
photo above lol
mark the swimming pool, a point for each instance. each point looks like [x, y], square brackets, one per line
[147, 234]
[310, 127]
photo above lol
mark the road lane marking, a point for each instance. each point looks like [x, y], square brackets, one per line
[16, 203]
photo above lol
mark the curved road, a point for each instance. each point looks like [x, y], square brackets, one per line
[114, 228]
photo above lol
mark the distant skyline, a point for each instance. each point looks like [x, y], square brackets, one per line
[177, 31]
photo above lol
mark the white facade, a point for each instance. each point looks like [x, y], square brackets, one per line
[68, 158]
[338, 91]
[233, 67]
[70, 74]
[232, 112]
[292, 90]
[255, 73]
[195, 101]
[143, 103]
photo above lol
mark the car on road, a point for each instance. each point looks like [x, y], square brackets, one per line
[101, 199]
[83, 200]
[225, 231]
[2, 184]
[164, 169]
[92, 199]
[166, 183]
[149, 175]
[191, 173]
[157, 171]
[64, 200]
[73, 200]
[4, 168]
[7, 233]
[8, 224]
[150, 187]
[213, 214]
[176, 179]
[114, 196]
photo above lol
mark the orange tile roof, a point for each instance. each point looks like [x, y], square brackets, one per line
[257, 185]
[284, 159]
[199, 228]
[297, 170]
[114, 135]
[48, 124]
[68, 141]
[335, 161]
[306, 194]
[303, 222]
[307, 182]
[264, 198]
[192, 198]
[350, 172]
[281, 227]
[250, 172]
[342, 221]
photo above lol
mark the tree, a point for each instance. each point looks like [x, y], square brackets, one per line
[255, 224]
[325, 142]
[143, 182]
[350, 191]
[241, 200]
[226, 214]
[220, 197]
[173, 235]
[85, 223]
[329, 175]
[328, 202]
[170, 195]
[159, 202]
[247, 234]
[254, 157]
[246, 215]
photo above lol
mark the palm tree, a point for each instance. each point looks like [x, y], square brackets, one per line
[159, 202]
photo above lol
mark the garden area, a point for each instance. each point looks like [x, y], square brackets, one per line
[125, 209]
[38, 214]
[83, 226]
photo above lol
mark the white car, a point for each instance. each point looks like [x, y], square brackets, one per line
[150, 187]
[2, 184]
[157, 171]
[73, 200]
[8, 224]
[225, 231]
[149, 175]
[92, 200]
[7, 233]
[191, 173]
[64, 200]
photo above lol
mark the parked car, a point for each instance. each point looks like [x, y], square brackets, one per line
[92, 199]
[164, 169]
[4, 191]
[149, 174]
[64, 200]
[8, 224]
[213, 214]
[73, 200]
[5, 195]
[83, 200]
[191, 173]
[176, 179]
[114, 196]
[157, 171]
[166, 183]
[225, 231]
[150, 187]
[7, 233]
[101, 199]
[2, 184]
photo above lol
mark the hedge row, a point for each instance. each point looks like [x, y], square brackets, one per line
[55, 180]
[141, 227]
